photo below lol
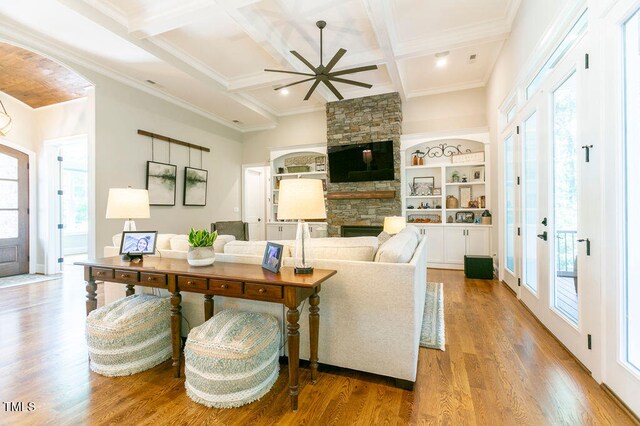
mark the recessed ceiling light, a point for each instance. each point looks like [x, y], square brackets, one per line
[441, 59]
[284, 92]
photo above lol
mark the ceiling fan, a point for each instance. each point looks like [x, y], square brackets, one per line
[323, 73]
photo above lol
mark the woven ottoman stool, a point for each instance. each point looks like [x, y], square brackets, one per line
[232, 359]
[129, 335]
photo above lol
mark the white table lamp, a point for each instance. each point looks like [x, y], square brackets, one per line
[301, 199]
[129, 204]
[394, 224]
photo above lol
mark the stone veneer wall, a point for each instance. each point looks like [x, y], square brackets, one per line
[370, 119]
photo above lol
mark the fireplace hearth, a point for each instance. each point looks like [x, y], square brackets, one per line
[360, 231]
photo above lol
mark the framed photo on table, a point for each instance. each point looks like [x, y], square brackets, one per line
[138, 242]
[272, 259]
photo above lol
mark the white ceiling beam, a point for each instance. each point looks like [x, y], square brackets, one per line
[203, 74]
[380, 15]
[145, 25]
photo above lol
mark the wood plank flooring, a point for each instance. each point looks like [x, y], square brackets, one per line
[500, 367]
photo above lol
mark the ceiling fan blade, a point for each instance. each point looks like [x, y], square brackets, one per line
[297, 82]
[313, 87]
[353, 82]
[333, 89]
[304, 61]
[332, 63]
[290, 72]
[354, 70]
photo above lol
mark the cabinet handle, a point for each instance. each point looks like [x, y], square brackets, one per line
[189, 282]
[125, 275]
[99, 273]
[225, 286]
[261, 290]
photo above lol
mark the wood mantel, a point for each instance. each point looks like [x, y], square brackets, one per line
[361, 195]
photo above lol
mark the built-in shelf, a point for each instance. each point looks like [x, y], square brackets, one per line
[422, 210]
[465, 165]
[465, 210]
[464, 183]
[422, 196]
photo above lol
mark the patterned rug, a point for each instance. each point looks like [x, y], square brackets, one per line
[432, 334]
[26, 279]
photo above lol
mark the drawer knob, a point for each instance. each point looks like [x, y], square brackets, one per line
[125, 275]
[224, 286]
[189, 282]
[150, 279]
[261, 290]
[99, 273]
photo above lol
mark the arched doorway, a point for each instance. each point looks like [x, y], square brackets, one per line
[14, 212]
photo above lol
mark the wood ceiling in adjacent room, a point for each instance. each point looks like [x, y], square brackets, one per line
[37, 81]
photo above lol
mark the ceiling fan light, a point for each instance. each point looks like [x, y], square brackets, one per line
[441, 62]
[284, 92]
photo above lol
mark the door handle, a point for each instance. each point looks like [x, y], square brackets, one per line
[582, 240]
[543, 236]
[544, 221]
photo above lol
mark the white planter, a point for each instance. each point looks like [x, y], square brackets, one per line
[201, 256]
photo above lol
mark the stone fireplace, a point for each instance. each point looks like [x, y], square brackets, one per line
[363, 120]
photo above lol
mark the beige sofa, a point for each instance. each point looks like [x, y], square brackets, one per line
[370, 311]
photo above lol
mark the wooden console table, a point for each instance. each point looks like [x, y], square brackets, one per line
[221, 279]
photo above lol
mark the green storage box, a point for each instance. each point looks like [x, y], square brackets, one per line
[478, 267]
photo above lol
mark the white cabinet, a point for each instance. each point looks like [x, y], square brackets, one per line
[477, 242]
[454, 244]
[287, 230]
[318, 230]
[435, 243]
[448, 244]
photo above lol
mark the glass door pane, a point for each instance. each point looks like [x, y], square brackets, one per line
[9, 214]
[530, 198]
[632, 139]
[509, 198]
[565, 198]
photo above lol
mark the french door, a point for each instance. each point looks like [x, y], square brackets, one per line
[554, 232]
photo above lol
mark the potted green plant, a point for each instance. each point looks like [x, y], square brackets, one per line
[201, 247]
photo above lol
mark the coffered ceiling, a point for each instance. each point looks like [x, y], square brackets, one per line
[209, 55]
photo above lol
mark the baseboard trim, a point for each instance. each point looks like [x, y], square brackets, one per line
[620, 403]
[39, 268]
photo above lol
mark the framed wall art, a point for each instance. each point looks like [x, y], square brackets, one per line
[161, 183]
[423, 185]
[195, 187]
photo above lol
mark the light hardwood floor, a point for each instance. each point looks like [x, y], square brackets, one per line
[500, 367]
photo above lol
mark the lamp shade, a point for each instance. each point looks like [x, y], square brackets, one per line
[128, 203]
[301, 199]
[394, 224]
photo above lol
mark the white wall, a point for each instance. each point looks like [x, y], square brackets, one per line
[23, 132]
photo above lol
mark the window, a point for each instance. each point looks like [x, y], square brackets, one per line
[631, 315]
[8, 196]
[530, 161]
[509, 181]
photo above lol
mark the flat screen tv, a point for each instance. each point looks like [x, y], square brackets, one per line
[361, 162]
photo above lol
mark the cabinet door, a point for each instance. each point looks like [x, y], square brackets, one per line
[435, 243]
[273, 232]
[454, 245]
[288, 231]
[318, 231]
[478, 242]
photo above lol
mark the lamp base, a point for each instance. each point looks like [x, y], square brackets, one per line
[135, 258]
[129, 225]
[308, 270]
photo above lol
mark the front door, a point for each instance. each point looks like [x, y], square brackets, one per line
[14, 212]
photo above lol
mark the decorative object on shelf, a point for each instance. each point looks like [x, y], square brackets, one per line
[161, 183]
[302, 199]
[410, 207]
[201, 251]
[473, 204]
[5, 120]
[135, 244]
[280, 170]
[424, 185]
[455, 177]
[298, 169]
[272, 259]
[412, 189]
[444, 150]
[323, 73]
[394, 224]
[486, 218]
[450, 219]
[468, 157]
[452, 202]
[321, 163]
[465, 196]
[425, 218]
[129, 204]
[464, 178]
[465, 217]
[195, 187]
[437, 191]
[483, 201]
[477, 174]
[278, 179]
[417, 158]
[438, 206]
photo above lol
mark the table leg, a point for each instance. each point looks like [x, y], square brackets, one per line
[314, 326]
[176, 321]
[208, 306]
[293, 340]
[131, 289]
[91, 288]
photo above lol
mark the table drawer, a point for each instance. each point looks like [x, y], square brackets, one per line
[186, 283]
[263, 290]
[153, 279]
[126, 276]
[102, 273]
[223, 287]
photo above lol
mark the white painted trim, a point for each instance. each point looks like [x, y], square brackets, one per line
[33, 201]
[275, 153]
[70, 101]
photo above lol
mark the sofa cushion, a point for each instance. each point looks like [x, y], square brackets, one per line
[163, 242]
[116, 240]
[255, 248]
[354, 248]
[399, 248]
[179, 243]
[221, 241]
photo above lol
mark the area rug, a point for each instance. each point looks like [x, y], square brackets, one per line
[432, 334]
[26, 279]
